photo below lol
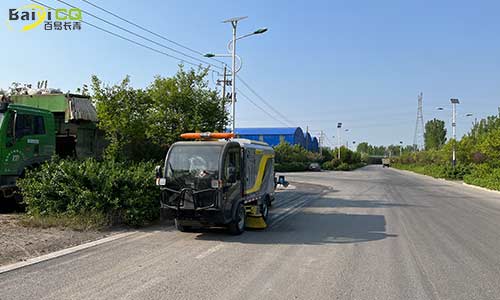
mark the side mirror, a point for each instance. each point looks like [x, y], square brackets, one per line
[159, 176]
[159, 171]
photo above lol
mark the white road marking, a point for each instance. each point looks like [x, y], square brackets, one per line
[60, 253]
[210, 251]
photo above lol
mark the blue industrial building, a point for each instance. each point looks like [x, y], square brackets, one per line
[315, 145]
[275, 135]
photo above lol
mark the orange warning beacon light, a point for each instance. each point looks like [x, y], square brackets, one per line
[207, 135]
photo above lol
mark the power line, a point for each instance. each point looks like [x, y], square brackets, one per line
[180, 45]
[147, 30]
[125, 38]
[266, 103]
[259, 107]
[140, 36]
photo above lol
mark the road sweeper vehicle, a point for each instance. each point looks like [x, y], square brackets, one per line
[217, 181]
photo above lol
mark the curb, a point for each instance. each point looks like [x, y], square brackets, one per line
[423, 175]
[481, 188]
[450, 181]
[35, 260]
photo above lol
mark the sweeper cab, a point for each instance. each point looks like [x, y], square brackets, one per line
[214, 180]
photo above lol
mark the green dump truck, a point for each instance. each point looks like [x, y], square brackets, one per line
[35, 127]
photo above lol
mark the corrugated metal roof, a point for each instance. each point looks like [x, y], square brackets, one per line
[267, 131]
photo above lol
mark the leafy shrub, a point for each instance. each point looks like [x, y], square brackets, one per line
[291, 167]
[438, 171]
[120, 192]
[485, 176]
[343, 167]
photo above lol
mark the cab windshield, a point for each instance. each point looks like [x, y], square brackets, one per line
[192, 166]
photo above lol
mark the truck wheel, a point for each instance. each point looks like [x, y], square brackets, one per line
[264, 208]
[237, 226]
[180, 227]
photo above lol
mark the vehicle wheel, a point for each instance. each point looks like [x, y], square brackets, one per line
[264, 208]
[237, 226]
[180, 227]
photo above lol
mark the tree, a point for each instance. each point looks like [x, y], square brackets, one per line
[435, 134]
[142, 124]
[326, 154]
[363, 147]
[184, 103]
[122, 112]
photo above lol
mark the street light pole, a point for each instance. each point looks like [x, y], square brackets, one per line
[232, 52]
[400, 148]
[234, 23]
[454, 103]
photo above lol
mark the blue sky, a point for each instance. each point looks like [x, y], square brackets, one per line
[362, 63]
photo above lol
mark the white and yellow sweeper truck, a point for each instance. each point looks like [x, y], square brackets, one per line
[217, 181]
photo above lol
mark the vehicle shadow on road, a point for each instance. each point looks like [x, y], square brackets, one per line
[311, 228]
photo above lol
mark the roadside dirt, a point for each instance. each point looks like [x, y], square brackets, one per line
[18, 243]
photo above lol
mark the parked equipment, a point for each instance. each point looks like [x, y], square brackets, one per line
[35, 127]
[211, 182]
[386, 162]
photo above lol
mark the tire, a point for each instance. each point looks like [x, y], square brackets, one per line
[180, 227]
[264, 208]
[237, 226]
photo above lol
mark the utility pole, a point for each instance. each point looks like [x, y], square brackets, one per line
[224, 87]
[307, 131]
[454, 103]
[320, 142]
[339, 126]
[400, 148]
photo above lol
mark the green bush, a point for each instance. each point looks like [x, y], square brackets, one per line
[438, 171]
[123, 193]
[343, 167]
[485, 176]
[291, 167]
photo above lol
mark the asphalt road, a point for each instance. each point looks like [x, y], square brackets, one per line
[369, 234]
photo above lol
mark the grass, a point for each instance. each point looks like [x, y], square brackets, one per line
[86, 222]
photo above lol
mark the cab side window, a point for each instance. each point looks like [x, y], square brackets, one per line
[24, 125]
[39, 125]
[232, 161]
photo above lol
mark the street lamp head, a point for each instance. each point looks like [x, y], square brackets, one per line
[469, 115]
[235, 19]
[439, 108]
[209, 55]
[454, 101]
[339, 125]
[260, 30]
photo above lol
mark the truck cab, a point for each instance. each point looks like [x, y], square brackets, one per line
[27, 138]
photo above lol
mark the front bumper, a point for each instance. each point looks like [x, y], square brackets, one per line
[197, 207]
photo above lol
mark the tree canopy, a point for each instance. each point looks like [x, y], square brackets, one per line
[435, 134]
[141, 124]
